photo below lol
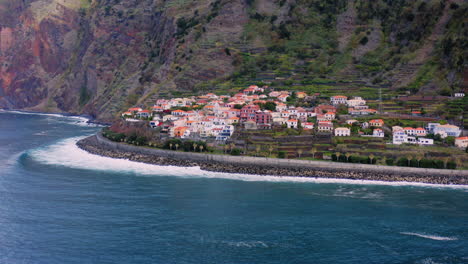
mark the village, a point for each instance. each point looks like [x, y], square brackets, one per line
[257, 108]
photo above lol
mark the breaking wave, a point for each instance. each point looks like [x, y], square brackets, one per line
[433, 237]
[74, 120]
[67, 154]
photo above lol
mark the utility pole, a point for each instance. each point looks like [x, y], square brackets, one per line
[380, 99]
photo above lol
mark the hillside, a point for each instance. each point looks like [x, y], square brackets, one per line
[100, 56]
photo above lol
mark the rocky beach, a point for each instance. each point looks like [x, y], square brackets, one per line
[99, 146]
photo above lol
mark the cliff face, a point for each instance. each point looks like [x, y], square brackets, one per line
[100, 56]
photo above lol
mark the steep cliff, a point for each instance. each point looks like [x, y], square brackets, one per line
[98, 57]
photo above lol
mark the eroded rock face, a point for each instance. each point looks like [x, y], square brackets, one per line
[32, 51]
[63, 55]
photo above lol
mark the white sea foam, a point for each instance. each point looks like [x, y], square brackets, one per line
[433, 237]
[248, 244]
[75, 120]
[66, 153]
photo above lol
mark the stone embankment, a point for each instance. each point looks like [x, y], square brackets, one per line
[267, 166]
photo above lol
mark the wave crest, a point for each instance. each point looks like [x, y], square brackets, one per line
[433, 237]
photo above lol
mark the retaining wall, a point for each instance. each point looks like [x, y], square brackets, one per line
[284, 163]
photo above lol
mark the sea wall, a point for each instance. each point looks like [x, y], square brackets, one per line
[287, 163]
[269, 166]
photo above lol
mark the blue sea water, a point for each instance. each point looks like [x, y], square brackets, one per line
[59, 204]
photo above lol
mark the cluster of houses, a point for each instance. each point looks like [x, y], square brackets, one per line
[211, 115]
[216, 116]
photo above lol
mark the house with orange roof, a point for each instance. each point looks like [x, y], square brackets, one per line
[321, 109]
[301, 95]
[127, 114]
[325, 126]
[376, 123]
[292, 123]
[134, 110]
[283, 97]
[308, 125]
[178, 113]
[157, 109]
[378, 133]
[181, 132]
[232, 120]
[144, 113]
[461, 142]
[281, 107]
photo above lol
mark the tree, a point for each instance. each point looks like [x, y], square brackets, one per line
[201, 148]
[257, 149]
[313, 151]
[450, 141]
[170, 146]
[270, 106]
[195, 146]
[371, 157]
[337, 154]
[383, 160]
[347, 154]
[299, 152]
[446, 160]
[270, 149]
[281, 154]
[176, 146]
[409, 158]
[419, 158]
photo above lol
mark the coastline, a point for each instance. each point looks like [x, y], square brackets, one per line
[98, 145]
[90, 119]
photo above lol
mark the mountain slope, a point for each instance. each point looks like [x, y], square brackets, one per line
[98, 57]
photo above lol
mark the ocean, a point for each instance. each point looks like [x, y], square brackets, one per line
[59, 204]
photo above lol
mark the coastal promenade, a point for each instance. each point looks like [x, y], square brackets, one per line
[100, 145]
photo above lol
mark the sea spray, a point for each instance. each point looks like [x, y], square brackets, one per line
[66, 153]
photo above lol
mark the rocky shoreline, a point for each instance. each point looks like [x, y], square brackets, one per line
[92, 145]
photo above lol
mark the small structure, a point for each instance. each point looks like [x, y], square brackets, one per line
[459, 95]
[461, 142]
[248, 112]
[181, 132]
[308, 125]
[250, 125]
[376, 123]
[400, 137]
[450, 130]
[144, 114]
[378, 133]
[338, 99]
[292, 123]
[325, 126]
[342, 132]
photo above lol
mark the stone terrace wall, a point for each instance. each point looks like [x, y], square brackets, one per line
[283, 163]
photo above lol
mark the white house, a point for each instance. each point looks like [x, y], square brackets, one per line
[378, 133]
[325, 126]
[292, 123]
[308, 125]
[461, 142]
[338, 99]
[450, 130]
[459, 95]
[342, 132]
[226, 133]
[351, 121]
[400, 137]
[356, 101]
